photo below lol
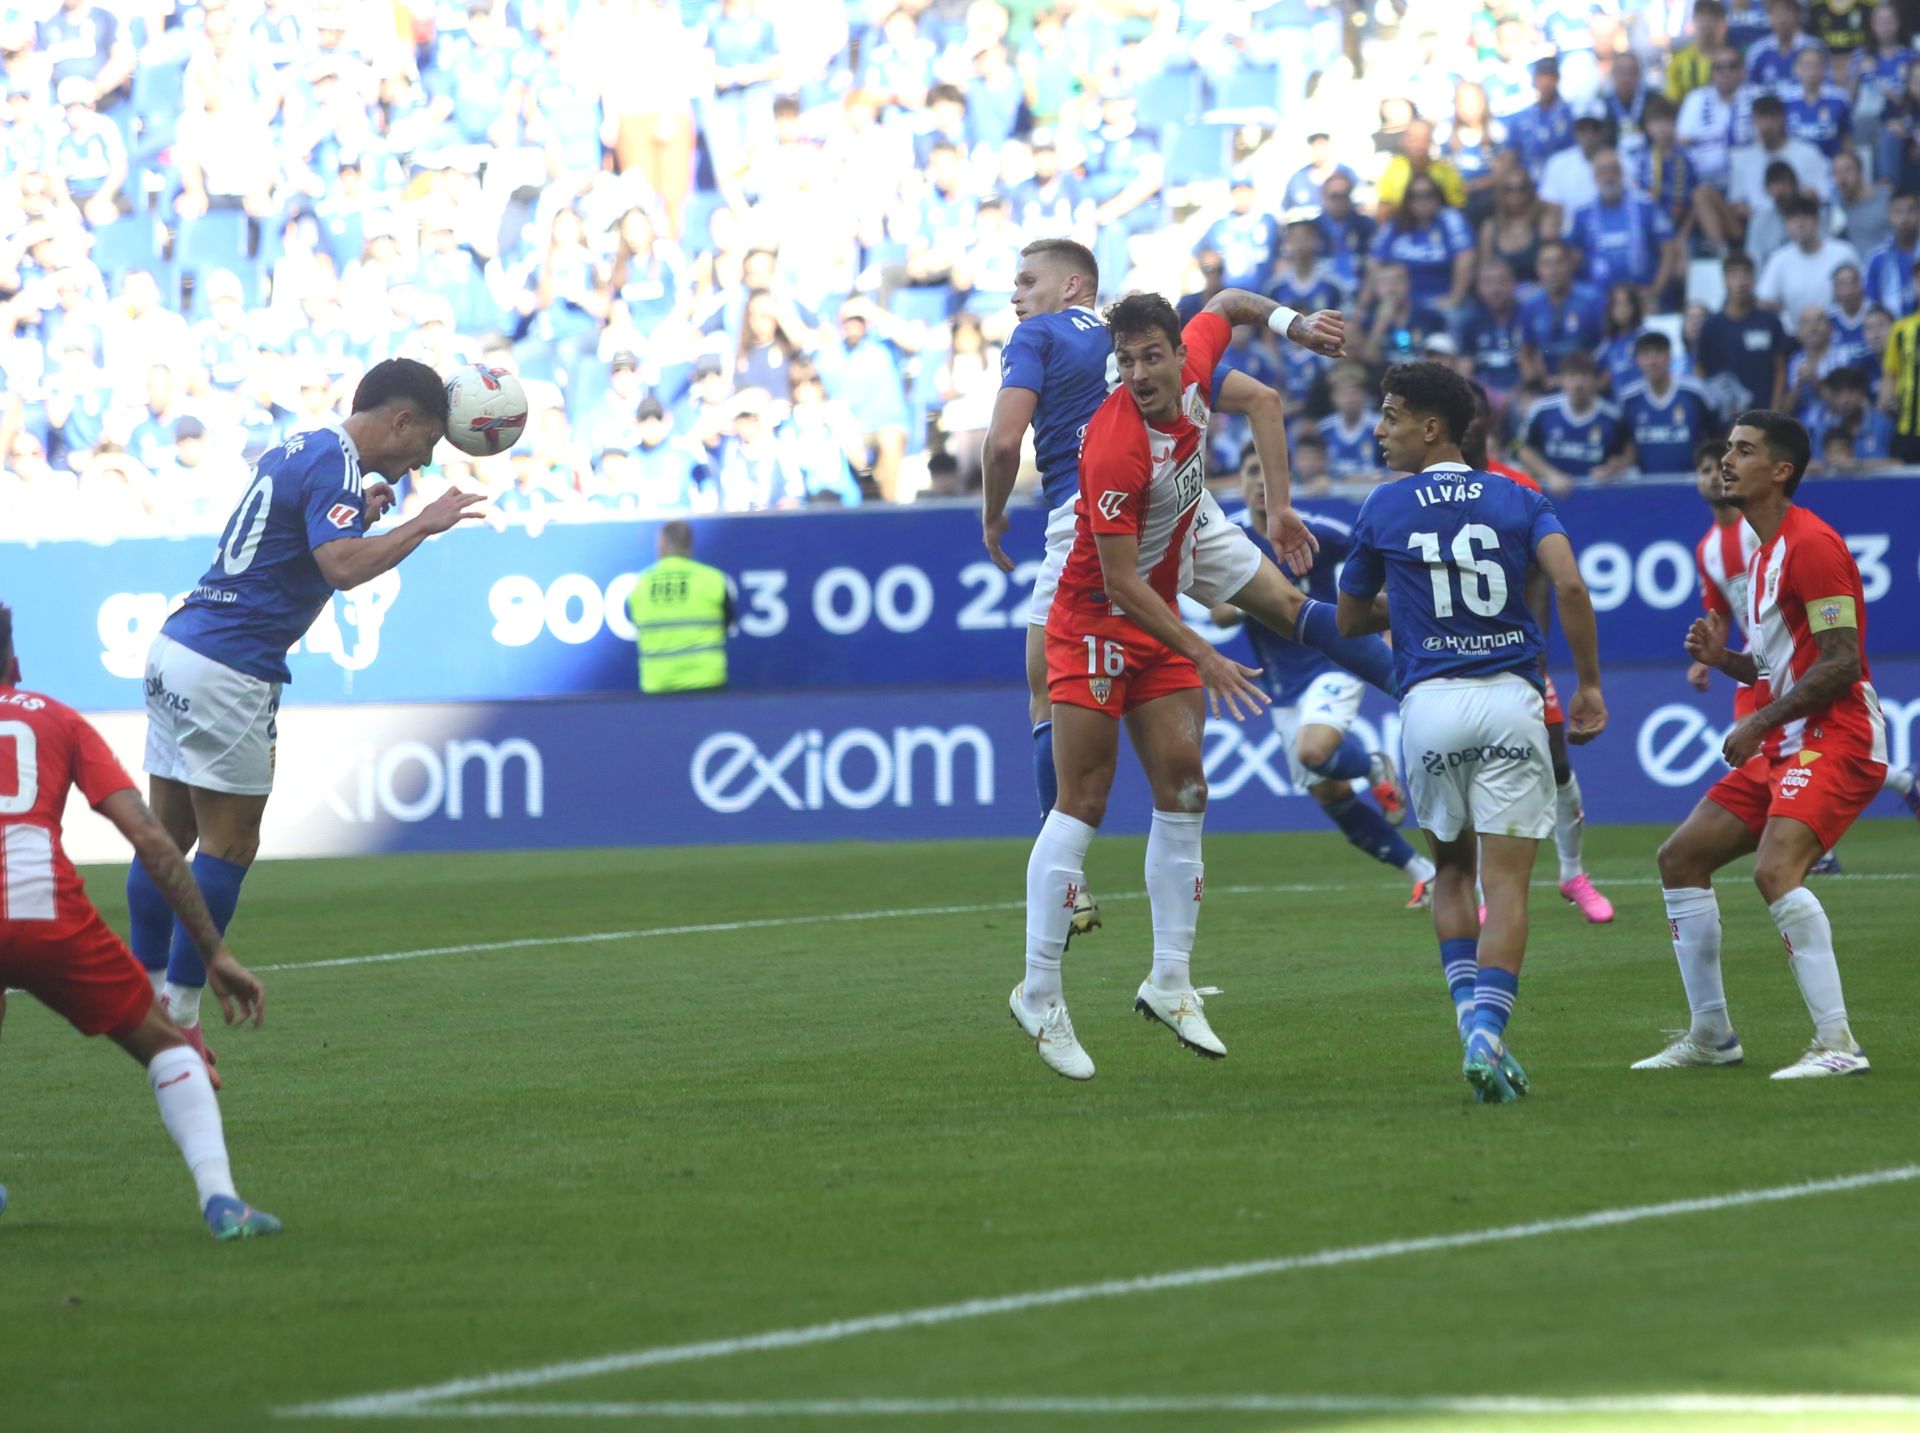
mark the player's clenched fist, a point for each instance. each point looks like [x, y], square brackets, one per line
[1228, 684]
[1707, 640]
[1324, 332]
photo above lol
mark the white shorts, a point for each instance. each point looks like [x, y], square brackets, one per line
[1224, 558]
[1476, 757]
[208, 725]
[1331, 699]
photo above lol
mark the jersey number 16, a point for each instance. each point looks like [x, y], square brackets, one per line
[1483, 582]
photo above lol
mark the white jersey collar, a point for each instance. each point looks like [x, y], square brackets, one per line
[1446, 468]
[334, 425]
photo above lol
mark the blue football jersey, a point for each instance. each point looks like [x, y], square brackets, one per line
[1351, 452]
[1667, 431]
[1452, 547]
[264, 589]
[1062, 357]
[1287, 666]
[1576, 444]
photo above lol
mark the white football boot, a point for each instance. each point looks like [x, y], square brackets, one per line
[1821, 1060]
[1052, 1034]
[1687, 1053]
[1184, 1013]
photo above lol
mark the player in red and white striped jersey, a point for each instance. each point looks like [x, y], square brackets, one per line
[1118, 651]
[55, 946]
[1805, 763]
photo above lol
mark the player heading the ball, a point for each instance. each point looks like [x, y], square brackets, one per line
[1452, 546]
[216, 667]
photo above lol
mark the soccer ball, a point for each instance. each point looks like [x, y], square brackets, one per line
[486, 409]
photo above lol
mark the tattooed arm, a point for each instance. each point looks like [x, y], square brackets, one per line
[231, 982]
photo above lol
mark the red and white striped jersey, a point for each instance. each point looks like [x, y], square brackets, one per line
[45, 749]
[1801, 583]
[1722, 558]
[1144, 479]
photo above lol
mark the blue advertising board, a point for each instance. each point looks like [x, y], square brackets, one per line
[879, 765]
[828, 601]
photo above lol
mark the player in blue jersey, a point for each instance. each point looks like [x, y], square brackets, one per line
[1315, 703]
[215, 670]
[1452, 546]
[1055, 373]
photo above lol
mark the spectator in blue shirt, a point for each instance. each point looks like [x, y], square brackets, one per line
[1622, 237]
[861, 373]
[1818, 111]
[1574, 435]
[1246, 239]
[745, 55]
[1890, 268]
[1304, 280]
[1347, 432]
[1487, 331]
[1545, 127]
[1303, 189]
[995, 97]
[87, 154]
[1846, 417]
[1346, 232]
[1742, 352]
[1213, 279]
[1397, 326]
[1433, 242]
[1666, 417]
[668, 473]
[1847, 315]
[1770, 58]
[1053, 203]
[1626, 317]
[1564, 317]
[822, 441]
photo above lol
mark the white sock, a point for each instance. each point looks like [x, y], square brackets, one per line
[1694, 917]
[1056, 874]
[159, 980]
[1420, 868]
[1899, 779]
[192, 1116]
[1175, 881]
[183, 1003]
[1569, 827]
[1809, 938]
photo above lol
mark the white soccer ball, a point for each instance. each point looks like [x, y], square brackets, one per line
[486, 410]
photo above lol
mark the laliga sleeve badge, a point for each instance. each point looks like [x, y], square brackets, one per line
[343, 515]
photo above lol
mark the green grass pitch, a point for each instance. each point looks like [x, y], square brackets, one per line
[499, 1160]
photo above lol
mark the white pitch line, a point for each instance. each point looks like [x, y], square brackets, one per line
[412, 1401]
[1762, 1404]
[537, 942]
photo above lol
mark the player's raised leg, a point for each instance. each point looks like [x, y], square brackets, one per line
[1787, 852]
[1714, 834]
[1328, 751]
[1283, 607]
[1166, 734]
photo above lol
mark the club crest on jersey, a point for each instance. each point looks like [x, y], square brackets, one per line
[1196, 406]
[343, 515]
[1101, 688]
[1111, 502]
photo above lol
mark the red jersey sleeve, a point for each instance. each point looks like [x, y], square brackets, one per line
[1823, 578]
[96, 770]
[1115, 468]
[1206, 337]
[1712, 599]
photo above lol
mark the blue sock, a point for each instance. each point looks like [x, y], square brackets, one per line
[1044, 780]
[1349, 761]
[152, 919]
[1493, 997]
[1460, 959]
[1368, 658]
[219, 883]
[1365, 828]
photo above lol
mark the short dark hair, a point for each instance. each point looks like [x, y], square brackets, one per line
[403, 380]
[1785, 438]
[1800, 207]
[1706, 448]
[1780, 172]
[678, 535]
[1653, 340]
[1737, 259]
[1906, 191]
[1433, 388]
[1659, 107]
[6, 640]
[1709, 7]
[1768, 105]
[1139, 314]
[1071, 252]
[1849, 376]
[1580, 362]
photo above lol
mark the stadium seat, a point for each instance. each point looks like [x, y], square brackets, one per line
[1248, 95]
[217, 239]
[159, 94]
[1169, 98]
[1198, 154]
[127, 244]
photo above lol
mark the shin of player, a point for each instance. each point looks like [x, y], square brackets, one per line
[215, 671]
[1452, 545]
[55, 946]
[1118, 652]
[1805, 761]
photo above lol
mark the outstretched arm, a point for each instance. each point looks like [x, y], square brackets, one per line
[1000, 465]
[347, 564]
[1267, 415]
[1323, 332]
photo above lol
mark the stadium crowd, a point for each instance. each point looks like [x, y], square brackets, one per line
[751, 255]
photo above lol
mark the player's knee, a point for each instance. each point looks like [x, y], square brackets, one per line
[1331, 793]
[1678, 865]
[1775, 874]
[1189, 792]
[1315, 750]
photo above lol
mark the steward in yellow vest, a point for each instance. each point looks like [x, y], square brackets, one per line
[681, 610]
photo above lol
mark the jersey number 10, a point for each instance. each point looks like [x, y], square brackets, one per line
[1483, 582]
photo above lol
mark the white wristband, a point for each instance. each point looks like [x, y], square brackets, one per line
[1281, 319]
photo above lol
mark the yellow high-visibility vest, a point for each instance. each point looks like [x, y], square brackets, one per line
[679, 610]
